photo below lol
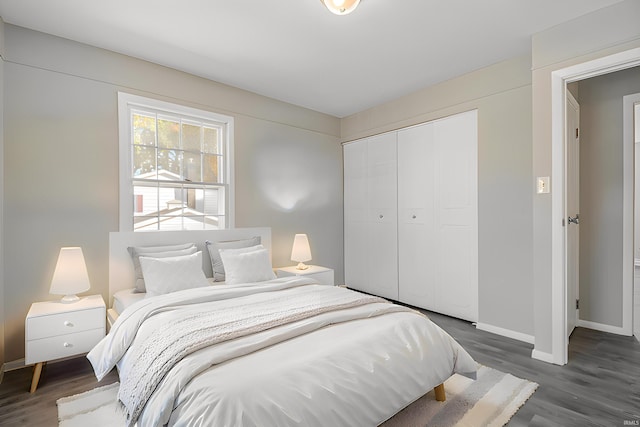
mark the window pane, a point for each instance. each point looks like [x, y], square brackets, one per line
[211, 168]
[171, 223]
[192, 167]
[144, 129]
[141, 223]
[210, 141]
[168, 133]
[169, 162]
[191, 137]
[145, 200]
[210, 202]
[144, 161]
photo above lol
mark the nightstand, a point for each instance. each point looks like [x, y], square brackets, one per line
[54, 330]
[323, 275]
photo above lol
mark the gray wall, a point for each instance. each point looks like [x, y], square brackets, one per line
[502, 95]
[61, 163]
[601, 145]
[604, 32]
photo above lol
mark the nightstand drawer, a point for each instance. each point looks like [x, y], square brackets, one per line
[65, 323]
[62, 346]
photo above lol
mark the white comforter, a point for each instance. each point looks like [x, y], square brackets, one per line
[355, 366]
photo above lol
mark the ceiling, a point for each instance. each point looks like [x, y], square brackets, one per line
[297, 51]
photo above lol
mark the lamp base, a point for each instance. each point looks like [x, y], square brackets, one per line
[69, 299]
[302, 266]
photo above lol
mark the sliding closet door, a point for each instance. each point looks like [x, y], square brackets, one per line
[438, 216]
[370, 215]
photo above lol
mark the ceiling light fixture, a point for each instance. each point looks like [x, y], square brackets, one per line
[341, 7]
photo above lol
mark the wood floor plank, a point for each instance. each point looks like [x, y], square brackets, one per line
[600, 386]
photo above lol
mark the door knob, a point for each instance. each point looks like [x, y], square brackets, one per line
[575, 220]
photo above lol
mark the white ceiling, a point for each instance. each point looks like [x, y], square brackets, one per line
[297, 51]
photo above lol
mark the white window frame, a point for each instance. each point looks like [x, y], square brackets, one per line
[126, 102]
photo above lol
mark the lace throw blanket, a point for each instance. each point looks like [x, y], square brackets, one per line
[155, 357]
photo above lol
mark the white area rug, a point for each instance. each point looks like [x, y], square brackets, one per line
[491, 400]
[95, 408]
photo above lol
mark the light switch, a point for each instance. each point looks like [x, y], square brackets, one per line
[542, 186]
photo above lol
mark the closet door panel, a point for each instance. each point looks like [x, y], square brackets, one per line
[370, 215]
[382, 250]
[456, 296]
[457, 214]
[417, 251]
[355, 214]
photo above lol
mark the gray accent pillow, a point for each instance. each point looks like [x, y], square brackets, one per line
[216, 261]
[156, 252]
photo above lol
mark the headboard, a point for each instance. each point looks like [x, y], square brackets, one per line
[121, 270]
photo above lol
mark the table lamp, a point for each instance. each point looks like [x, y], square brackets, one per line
[301, 251]
[70, 276]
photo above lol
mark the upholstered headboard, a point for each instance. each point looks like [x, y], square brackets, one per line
[121, 270]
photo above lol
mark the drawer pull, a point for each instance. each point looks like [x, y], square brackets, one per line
[414, 217]
[381, 216]
[67, 345]
[67, 323]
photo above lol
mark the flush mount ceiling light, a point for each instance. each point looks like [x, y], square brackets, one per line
[341, 7]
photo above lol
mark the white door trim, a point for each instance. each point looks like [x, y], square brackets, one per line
[559, 80]
[628, 219]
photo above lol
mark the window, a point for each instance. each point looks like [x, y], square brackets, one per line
[175, 166]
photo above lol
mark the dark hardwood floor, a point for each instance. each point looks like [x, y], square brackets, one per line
[600, 386]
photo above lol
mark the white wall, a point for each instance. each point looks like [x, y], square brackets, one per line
[61, 163]
[502, 95]
[595, 35]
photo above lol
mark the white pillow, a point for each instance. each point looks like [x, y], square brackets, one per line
[156, 252]
[242, 266]
[214, 253]
[171, 274]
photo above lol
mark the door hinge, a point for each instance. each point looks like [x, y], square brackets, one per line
[577, 304]
[577, 133]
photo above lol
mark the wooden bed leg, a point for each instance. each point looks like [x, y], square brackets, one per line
[440, 394]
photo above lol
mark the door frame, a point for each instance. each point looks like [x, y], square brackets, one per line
[559, 80]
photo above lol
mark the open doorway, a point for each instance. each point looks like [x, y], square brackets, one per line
[559, 80]
[606, 184]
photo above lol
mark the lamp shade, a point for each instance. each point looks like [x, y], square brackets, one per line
[301, 251]
[341, 7]
[70, 276]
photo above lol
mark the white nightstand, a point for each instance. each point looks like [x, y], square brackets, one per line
[54, 330]
[323, 275]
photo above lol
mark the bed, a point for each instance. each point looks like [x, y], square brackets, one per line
[262, 351]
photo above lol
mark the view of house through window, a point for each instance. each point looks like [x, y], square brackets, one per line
[178, 168]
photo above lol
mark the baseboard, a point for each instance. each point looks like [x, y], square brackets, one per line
[603, 328]
[541, 355]
[12, 366]
[506, 333]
